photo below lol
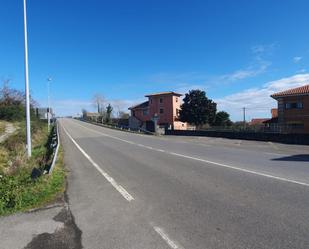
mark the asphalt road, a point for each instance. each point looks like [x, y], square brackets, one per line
[136, 191]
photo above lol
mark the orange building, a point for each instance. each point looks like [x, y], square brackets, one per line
[164, 106]
[293, 109]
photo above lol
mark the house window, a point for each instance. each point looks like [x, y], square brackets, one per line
[295, 105]
[287, 105]
[133, 113]
[150, 101]
[161, 100]
[145, 112]
[176, 99]
[177, 112]
[161, 111]
[299, 105]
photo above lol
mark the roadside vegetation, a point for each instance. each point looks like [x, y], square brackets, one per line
[2, 127]
[23, 185]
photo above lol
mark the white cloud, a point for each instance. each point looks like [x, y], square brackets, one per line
[257, 66]
[74, 106]
[252, 71]
[123, 105]
[303, 70]
[70, 106]
[186, 87]
[264, 48]
[257, 100]
[185, 81]
[297, 59]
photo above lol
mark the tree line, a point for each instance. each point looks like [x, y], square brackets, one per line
[105, 110]
[12, 103]
[196, 109]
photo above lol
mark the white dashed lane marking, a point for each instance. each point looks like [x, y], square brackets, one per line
[171, 243]
[202, 160]
[111, 180]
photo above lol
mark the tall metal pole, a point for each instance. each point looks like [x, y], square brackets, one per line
[28, 127]
[49, 112]
[244, 112]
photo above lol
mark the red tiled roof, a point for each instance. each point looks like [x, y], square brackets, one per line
[140, 106]
[295, 91]
[256, 121]
[163, 93]
[271, 121]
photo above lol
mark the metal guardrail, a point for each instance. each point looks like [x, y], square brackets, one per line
[56, 150]
[119, 127]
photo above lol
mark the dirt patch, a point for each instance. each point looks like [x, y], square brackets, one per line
[67, 237]
[9, 129]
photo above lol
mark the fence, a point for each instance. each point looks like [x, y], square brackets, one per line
[246, 135]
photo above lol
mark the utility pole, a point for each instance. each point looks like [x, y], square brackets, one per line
[244, 113]
[49, 79]
[28, 128]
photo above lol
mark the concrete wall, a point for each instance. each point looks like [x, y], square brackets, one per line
[274, 137]
[180, 125]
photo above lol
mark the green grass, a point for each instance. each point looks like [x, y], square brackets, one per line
[18, 192]
[2, 127]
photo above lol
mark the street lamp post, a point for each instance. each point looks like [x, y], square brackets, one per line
[28, 130]
[48, 100]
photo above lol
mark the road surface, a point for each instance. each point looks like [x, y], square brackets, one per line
[138, 191]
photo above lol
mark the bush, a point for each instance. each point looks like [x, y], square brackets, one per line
[12, 112]
[9, 188]
[18, 191]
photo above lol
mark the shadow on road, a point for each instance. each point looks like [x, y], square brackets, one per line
[294, 158]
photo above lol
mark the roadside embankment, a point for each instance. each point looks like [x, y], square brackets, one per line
[2, 127]
[23, 184]
[6, 129]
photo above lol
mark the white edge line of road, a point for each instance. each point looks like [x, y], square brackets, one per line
[171, 243]
[203, 160]
[111, 180]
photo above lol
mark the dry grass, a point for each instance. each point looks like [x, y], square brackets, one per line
[2, 127]
[17, 190]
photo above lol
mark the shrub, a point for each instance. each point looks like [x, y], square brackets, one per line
[12, 112]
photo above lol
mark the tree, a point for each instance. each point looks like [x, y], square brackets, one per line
[123, 115]
[109, 110]
[222, 119]
[197, 108]
[98, 101]
[11, 103]
[10, 96]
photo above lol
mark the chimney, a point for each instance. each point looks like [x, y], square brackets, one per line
[274, 112]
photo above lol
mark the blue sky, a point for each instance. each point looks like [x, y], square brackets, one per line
[239, 52]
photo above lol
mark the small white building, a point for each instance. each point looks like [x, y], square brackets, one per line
[42, 113]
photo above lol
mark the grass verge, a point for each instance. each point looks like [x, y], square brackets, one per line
[2, 127]
[18, 191]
